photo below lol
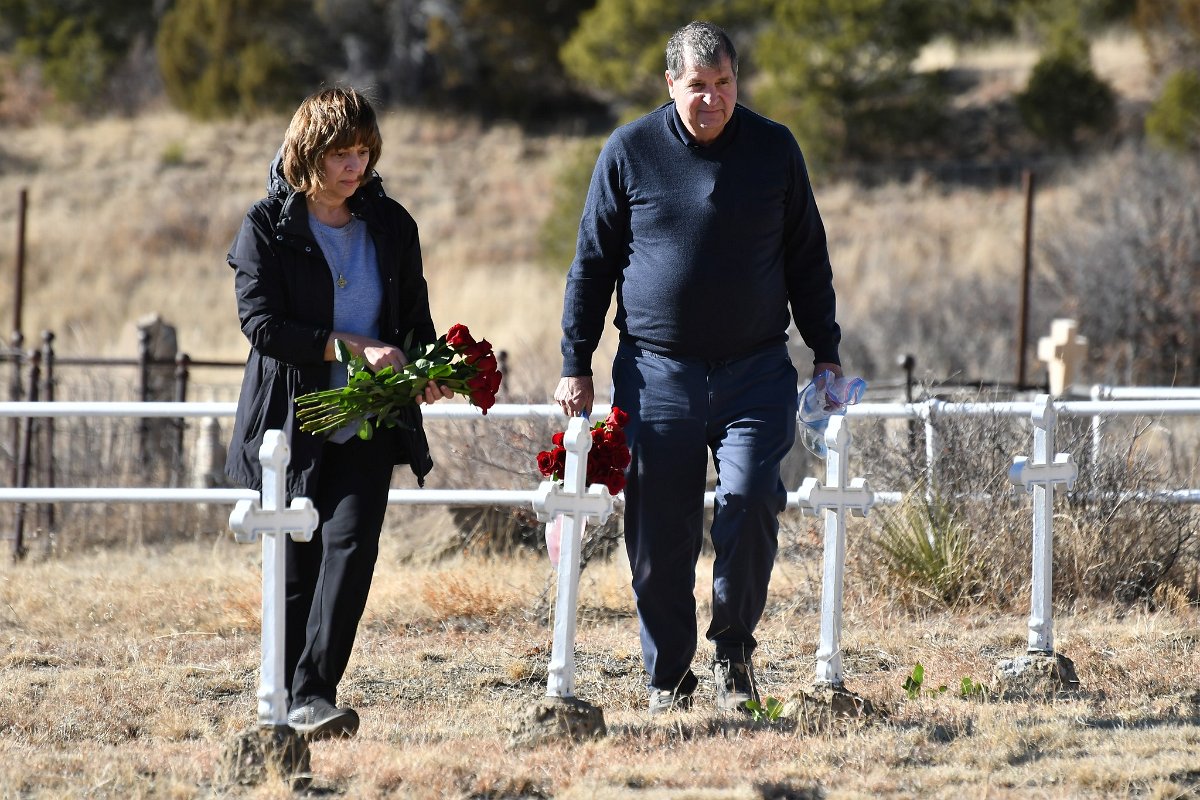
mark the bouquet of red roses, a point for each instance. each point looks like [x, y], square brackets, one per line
[456, 361]
[606, 460]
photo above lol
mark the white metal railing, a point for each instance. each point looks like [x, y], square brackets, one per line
[839, 496]
[1102, 391]
[925, 412]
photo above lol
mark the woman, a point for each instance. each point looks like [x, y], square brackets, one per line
[327, 256]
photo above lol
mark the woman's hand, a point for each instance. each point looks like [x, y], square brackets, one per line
[433, 393]
[379, 356]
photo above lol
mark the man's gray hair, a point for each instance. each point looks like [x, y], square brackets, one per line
[701, 43]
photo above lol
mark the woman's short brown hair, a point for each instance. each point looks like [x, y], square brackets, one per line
[330, 119]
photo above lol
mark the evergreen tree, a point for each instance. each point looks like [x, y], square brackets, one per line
[500, 57]
[78, 43]
[839, 73]
[221, 57]
[1064, 96]
[618, 52]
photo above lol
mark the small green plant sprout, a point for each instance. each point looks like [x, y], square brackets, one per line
[173, 155]
[767, 711]
[915, 680]
[969, 689]
[912, 684]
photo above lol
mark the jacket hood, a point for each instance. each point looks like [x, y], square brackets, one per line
[277, 185]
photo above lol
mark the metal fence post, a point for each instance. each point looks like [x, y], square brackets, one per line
[25, 457]
[908, 363]
[143, 388]
[182, 362]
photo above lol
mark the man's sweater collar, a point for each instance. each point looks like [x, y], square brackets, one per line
[680, 131]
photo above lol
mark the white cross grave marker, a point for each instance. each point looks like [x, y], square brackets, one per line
[1039, 477]
[269, 521]
[576, 502]
[1064, 354]
[835, 499]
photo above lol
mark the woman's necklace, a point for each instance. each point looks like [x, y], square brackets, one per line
[334, 236]
[336, 243]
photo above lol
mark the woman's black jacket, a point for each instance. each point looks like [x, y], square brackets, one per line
[285, 304]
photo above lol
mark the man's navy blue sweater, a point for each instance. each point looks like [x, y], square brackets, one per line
[706, 246]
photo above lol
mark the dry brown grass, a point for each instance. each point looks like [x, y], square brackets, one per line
[123, 675]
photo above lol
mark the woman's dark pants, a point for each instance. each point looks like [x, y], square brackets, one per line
[328, 578]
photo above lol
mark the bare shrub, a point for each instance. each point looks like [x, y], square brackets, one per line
[1123, 262]
[1120, 542]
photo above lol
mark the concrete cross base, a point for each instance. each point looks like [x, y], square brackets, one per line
[556, 719]
[1037, 676]
[813, 711]
[271, 752]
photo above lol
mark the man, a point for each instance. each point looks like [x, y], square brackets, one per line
[701, 217]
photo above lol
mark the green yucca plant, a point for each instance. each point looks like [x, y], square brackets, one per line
[927, 548]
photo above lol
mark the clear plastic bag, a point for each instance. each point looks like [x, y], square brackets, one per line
[824, 396]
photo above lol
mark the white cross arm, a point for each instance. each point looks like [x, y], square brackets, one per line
[249, 520]
[857, 499]
[551, 499]
[1063, 470]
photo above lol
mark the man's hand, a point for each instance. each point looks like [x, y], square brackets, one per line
[821, 366]
[575, 395]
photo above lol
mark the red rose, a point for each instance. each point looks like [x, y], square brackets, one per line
[476, 351]
[484, 382]
[560, 460]
[620, 458]
[616, 418]
[484, 400]
[459, 337]
[485, 363]
[603, 458]
[615, 482]
[557, 439]
[545, 463]
[614, 437]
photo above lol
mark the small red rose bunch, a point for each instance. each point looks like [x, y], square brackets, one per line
[606, 460]
[477, 357]
[370, 399]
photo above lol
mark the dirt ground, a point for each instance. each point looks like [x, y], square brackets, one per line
[124, 674]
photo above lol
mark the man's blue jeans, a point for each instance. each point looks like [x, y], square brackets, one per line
[743, 411]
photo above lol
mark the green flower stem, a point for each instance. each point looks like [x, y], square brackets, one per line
[379, 395]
